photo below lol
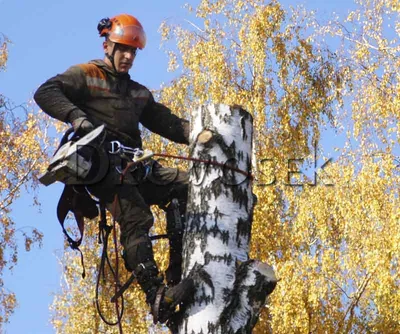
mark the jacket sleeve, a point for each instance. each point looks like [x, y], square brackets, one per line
[58, 95]
[159, 119]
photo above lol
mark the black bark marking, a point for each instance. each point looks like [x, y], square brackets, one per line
[217, 187]
[215, 230]
[228, 174]
[213, 328]
[226, 293]
[192, 332]
[227, 119]
[246, 115]
[203, 237]
[243, 126]
[194, 220]
[234, 298]
[204, 297]
[217, 214]
[197, 230]
[201, 169]
[228, 150]
[203, 276]
[243, 229]
[227, 258]
[248, 164]
[205, 196]
[260, 290]
[226, 192]
[239, 195]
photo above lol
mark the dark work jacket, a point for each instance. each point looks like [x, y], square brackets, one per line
[95, 91]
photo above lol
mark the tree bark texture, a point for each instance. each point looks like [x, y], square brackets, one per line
[231, 288]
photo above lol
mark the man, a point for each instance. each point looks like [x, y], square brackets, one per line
[101, 92]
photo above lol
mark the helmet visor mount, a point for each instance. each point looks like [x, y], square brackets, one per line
[131, 35]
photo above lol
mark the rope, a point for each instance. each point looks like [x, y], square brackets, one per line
[117, 283]
[208, 162]
[104, 232]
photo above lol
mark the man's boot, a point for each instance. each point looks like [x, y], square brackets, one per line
[161, 298]
[168, 298]
[139, 258]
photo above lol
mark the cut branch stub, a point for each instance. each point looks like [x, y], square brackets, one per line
[204, 137]
[218, 229]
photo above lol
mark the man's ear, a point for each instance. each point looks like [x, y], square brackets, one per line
[105, 45]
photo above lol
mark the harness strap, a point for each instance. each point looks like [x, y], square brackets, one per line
[63, 207]
[157, 303]
[142, 239]
[139, 269]
[81, 205]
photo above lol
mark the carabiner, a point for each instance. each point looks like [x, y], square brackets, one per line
[115, 147]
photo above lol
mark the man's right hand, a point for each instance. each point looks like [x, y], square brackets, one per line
[82, 126]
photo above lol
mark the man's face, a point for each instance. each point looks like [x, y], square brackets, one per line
[124, 56]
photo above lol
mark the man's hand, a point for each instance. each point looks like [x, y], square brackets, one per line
[82, 126]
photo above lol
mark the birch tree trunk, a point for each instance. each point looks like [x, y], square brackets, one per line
[231, 288]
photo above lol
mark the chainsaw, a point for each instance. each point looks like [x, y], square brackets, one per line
[70, 164]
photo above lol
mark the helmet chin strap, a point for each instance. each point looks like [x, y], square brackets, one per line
[111, 58]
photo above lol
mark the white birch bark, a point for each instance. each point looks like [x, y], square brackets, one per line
[231, 288]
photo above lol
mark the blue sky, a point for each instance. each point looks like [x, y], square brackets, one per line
[48, 37]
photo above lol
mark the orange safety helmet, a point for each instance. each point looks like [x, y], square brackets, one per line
[123, 29]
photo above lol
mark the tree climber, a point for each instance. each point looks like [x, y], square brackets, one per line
[102, 92]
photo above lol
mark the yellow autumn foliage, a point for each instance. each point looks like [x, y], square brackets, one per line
[24, 143]
[335, 247]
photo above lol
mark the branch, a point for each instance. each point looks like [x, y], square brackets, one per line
[365, 42]
[202, 31]
[63, 272]
[191, 23]
[254, 282]
[12, 192]
[355, 301]
[337, 285]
